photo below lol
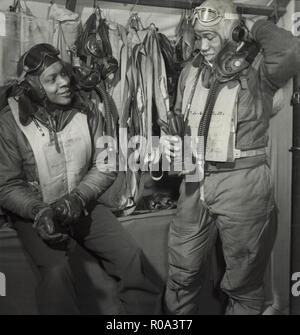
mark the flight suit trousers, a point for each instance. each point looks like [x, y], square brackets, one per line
[103, 254]
[239, 206]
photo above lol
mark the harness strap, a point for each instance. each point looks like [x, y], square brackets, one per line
[249, 153]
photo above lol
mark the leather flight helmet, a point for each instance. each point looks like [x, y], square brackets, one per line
[219, 16]
[31, 65]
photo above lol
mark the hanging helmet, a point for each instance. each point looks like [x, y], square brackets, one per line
[94, 42]
[219, 16]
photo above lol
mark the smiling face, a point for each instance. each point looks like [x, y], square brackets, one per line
[56, 84]
[210, 43]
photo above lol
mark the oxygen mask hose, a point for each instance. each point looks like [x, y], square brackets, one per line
[206, 118]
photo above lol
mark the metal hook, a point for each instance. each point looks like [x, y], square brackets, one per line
[133, 7]
[135, 21]
[15, 7]
[153, 27]
[98, 10]
[96, 5]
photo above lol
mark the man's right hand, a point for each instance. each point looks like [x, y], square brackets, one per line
[44, 224]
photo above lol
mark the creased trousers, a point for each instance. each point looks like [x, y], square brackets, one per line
[239, 206]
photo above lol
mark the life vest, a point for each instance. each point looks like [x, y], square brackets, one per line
[221, 139]
[59, 173]
[221, 135]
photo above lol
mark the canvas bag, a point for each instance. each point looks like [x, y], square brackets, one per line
[18, 33]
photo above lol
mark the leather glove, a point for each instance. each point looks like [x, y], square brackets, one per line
[68, 208]
[44, 223]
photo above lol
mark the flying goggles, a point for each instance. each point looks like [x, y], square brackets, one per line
[209, 16]
[35, 57]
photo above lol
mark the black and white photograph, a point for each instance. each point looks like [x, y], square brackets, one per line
[149, 160]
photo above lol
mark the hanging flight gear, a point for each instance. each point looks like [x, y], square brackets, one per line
[121, 196]
[185, 41]
[94, 42]
[156, 65]
[110, 112]
[67, 26]
[173, 67]
[86, 78]
[91, 80]
[17, 7]
[175, 125]
[22, 31]
[94, 47]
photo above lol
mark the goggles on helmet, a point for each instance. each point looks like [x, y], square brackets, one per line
[206, 15]
[35, 57]
[209, 16]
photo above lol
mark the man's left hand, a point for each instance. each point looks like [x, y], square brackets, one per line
[68, 209]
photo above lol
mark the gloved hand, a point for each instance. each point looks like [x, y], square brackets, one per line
[44, 223]
[68, 208]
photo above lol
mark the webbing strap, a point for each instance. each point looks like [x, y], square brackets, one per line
[249, 153]
[160, 81]
[124, 60]
[149, 89]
